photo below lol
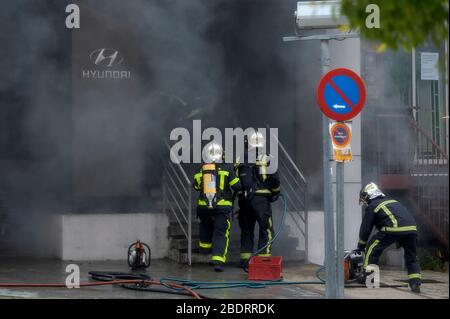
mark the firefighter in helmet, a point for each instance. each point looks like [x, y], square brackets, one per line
[395, 224]
[259, 190]
[216, 181]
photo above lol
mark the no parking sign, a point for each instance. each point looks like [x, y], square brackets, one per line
[341, 94]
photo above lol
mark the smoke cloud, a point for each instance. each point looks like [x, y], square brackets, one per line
[71, 144]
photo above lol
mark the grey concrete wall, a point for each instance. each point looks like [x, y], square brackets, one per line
[107, 236]
[316, 244]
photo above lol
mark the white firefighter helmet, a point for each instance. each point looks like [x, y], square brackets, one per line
[213, 153]
[256, 139]
[369, 192]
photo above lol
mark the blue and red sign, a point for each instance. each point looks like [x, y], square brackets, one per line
[341, 94]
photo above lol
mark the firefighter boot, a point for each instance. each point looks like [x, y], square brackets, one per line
[218, 266]
[243, 263]
[414, 285]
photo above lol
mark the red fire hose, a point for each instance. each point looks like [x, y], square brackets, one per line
[112, 282]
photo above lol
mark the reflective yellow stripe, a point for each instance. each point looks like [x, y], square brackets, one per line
[227, 238]
[362, 242]
[369, 251]
[222, 175]
[413, 276]
[221, 202]
[399, 229]
[263, 191]
[222, 182]
[245, 255]
[276, 189]
[262, 164]
[225, 173]
[386, 202]
[269, 236]
[264, 255]
[198, 178]
[386, 210]
[391, 216]
[234, 181]
[263, 172]
[224, 202]
[205, 245]
[218, 258]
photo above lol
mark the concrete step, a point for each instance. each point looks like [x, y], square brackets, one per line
[173, 219]
[175, 229]
[182, 257]
[182, 243]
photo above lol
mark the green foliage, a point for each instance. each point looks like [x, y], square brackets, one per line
[403, 23]
[430, 261]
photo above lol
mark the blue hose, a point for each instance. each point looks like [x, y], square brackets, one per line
[280, 227]
[232, 284]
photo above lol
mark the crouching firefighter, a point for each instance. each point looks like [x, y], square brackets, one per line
[395, 224]
[215, 182]
[259, 190]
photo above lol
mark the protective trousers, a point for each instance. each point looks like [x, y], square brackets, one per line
[215, 227]
[382, 240]
[255, 209]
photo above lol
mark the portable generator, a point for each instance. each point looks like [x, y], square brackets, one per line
[354, 266]
[139, 255]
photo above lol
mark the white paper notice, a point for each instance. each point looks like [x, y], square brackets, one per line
[429, 69]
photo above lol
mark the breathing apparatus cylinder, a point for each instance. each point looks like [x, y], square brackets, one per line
[210, 184]
[255, 162]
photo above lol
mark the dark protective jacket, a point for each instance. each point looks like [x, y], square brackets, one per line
[387, 215]
[262, 184]
[227, 183]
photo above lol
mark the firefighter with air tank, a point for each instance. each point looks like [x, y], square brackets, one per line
[259, 190]
[395, 224]
[216, 181]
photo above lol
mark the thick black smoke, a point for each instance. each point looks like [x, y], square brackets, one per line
[69, 144]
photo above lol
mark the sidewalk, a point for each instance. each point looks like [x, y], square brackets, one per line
[53, 271]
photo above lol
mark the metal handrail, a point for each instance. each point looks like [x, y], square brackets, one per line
[420, 130]
[295, 189]
[182, 185]
[183, 172]
[290, 159]
[290, 173]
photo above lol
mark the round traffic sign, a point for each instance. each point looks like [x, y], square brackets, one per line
[341, 135]
[341, 94]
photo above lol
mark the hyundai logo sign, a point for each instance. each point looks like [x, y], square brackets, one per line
[106, 62]
[106, 57]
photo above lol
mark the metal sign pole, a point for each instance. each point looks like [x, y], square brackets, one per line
[340, 228]
[330, 255]
[334, 260]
